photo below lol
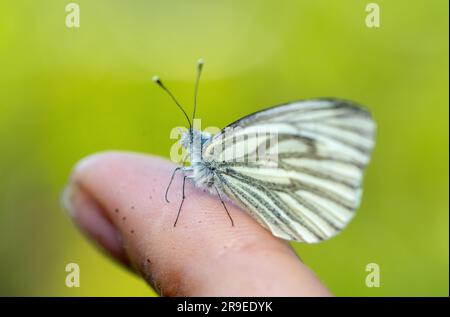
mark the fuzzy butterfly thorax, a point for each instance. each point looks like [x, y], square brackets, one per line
[199, 171]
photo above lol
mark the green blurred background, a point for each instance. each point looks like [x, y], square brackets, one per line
[65, 93]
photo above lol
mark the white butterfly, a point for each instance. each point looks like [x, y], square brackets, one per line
[311, 190]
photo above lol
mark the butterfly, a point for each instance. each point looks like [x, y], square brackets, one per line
[306, 185]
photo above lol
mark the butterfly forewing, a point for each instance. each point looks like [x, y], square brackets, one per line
[297, 168]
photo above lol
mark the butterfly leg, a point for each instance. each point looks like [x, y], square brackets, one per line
[224, 206]
[173, 176]
[182, 201]
[170, 183]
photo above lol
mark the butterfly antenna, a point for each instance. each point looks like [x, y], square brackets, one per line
[199, 72]
[159, 82]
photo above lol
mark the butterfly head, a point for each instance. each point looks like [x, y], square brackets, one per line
[187, 138]
[193, 140]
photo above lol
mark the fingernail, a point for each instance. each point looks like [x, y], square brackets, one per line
[66, 199]
[88, 215]
[69, 190]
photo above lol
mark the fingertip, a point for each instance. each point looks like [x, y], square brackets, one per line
[203, 254]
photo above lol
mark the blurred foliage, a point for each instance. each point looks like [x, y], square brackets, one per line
[65, 93]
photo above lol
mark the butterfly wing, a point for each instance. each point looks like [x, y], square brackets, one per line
[309, 190]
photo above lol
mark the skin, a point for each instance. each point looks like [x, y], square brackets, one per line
[117, 200]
